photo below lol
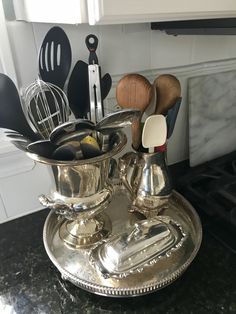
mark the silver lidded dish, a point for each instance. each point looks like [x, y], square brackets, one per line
[142, 245]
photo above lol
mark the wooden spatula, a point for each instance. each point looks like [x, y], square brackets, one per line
[134, 91]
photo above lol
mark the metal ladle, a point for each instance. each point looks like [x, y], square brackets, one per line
[118, 120]
[79, 128]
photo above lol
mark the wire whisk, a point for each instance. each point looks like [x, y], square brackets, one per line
[46, 106]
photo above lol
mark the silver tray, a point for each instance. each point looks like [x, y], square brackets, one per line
[75, 264]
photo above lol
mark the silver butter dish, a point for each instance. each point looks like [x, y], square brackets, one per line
[142, 245]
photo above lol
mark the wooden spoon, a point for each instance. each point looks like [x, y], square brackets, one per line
[168, 91]
[134, 91]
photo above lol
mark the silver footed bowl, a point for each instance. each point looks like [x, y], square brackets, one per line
[81, 188]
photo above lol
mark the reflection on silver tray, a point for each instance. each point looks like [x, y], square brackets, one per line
[75, 265]
[140, 246]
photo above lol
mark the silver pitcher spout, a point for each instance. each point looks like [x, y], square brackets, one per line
[147, 179]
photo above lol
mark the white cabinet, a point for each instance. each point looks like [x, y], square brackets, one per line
[20, 191]
[131, 11]
[51, 11]
[120, 11]
[21, 182]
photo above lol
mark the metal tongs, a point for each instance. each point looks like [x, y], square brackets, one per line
[96, 106]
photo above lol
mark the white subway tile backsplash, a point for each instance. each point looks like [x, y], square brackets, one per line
[169, 51]
[124, 49]
[134, 48]
[208, 48]
[24, 51]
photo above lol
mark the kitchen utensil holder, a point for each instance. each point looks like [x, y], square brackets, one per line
[82, 190]
[146, 177]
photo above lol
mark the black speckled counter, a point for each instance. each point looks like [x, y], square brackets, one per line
[29, 283]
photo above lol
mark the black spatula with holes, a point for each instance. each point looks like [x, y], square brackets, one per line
[55, 57]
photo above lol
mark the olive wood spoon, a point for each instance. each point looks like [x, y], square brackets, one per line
[168, 91]
[134, 91]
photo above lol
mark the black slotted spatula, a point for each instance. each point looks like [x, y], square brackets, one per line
[55, 57]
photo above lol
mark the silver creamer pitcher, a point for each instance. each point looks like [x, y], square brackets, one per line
[147, 179]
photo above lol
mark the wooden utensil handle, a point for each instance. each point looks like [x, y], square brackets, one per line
[136, 133]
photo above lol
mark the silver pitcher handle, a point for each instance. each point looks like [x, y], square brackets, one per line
[124, 163]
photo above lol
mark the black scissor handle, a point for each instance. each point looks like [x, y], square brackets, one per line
[92, 43]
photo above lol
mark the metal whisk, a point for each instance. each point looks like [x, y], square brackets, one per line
[46, 106]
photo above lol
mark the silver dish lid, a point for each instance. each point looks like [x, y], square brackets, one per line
[140, 246]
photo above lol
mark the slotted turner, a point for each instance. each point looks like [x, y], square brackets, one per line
[78, 89]
[55, 57]
[94, 75]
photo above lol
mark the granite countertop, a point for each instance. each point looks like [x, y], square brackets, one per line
[29, 282]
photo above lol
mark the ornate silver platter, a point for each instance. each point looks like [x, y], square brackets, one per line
[77, 266]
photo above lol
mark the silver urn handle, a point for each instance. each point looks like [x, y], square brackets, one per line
[59, 207]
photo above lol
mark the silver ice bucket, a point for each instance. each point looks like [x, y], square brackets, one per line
[82, 189]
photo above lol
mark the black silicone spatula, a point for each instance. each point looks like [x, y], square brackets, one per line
[106, 83]
[78, 89]
[11, 113]
[171, 117]
[55, 57]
